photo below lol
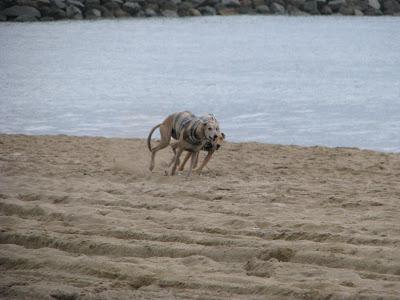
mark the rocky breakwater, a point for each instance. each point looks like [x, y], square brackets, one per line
[49, 10]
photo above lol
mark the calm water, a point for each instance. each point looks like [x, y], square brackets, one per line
[331, 81]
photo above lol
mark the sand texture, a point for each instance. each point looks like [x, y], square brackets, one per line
[83, 218]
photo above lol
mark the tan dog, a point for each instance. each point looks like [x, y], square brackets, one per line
[191, 132]
[209, 147]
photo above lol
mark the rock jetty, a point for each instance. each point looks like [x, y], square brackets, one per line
[50, 10]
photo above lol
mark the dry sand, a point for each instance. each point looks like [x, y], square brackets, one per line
[83, 218]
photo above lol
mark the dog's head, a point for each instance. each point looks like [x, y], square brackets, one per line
[220, 140]
[211, 127]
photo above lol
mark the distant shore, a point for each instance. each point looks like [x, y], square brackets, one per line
[51, 10]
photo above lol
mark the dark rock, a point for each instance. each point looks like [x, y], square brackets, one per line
[194, 12]
[206, 3]
[111, 5]
[168, 5]
[231, 3]
[294, 11]
[47, 19]
[281, 2]
[243, 10]
[183, 9]
[256, 3]
[25, 18]
[77, 17]
[358, 12]
[391, 7]
[370, 11]
[26, 3]
[92, 2]
[148, 12]
[336, 4]
[92, 13]
[374, 4]
[7, 3]
[105, 12]
[297, 3]
[263, 9]
[153, 6]
[131, 7]
[311, 7]
[362, 5]
[75, 3]
[245, 3]
[321, 4]
[59, 3]
[141, 2]
[53, 12]
[42, 2]
[119, 13]
[207, 11]
[71, 11]
[19, 11]
[185, 5]
[277, 9]
[140, 14]
[227, 11]
[326, 10]
[347, 10]
[169, 13]
[3, 18]
[198, 3]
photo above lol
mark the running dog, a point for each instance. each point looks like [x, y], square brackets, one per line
[191, 132]
[209, 147]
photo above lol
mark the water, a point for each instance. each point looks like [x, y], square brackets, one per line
[331, 81]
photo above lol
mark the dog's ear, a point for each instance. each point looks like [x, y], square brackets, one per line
[212, 117]
[223, 135]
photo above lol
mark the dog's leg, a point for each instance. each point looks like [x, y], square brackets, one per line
[205, 161]
[177, 155]
[195, 155]
[196, 161]
[165, 133]
[182, 166]
[173, 146]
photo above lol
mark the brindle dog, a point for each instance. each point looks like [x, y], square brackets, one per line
[210, 148]
[191, 132]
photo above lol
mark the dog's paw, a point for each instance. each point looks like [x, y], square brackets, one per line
[197, 171]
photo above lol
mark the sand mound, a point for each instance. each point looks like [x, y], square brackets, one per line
[83, 218]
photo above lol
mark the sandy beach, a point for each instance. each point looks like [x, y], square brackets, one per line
[84, 218]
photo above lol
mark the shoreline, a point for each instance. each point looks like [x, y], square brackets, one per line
[52, 10]
[228, 141]
[84, 218]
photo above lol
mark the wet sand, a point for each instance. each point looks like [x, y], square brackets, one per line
[83, 218]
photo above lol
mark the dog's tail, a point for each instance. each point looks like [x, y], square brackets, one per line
[150, 134]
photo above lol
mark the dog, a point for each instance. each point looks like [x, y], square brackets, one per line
[209, 147]
[191, 132]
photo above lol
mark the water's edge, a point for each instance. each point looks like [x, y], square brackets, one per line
[144, 139]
